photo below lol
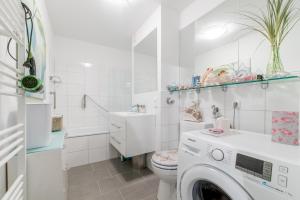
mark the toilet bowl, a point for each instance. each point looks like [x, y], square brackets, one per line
[164, 165]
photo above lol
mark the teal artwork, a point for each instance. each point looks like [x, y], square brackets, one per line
[39, 46]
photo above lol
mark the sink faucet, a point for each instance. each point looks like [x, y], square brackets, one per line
[216, 112]
[138, 108]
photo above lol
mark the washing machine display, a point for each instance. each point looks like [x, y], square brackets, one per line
[255, 167]
[205, 190]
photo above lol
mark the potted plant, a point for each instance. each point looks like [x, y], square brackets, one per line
[274, 24]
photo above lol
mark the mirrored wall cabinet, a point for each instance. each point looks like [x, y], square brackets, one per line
[222, 49]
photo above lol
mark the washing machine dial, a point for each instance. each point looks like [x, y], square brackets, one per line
[217, 154]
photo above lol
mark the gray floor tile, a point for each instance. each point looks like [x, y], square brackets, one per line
[89, 189]
[109, 185]
[151, 197]
[147, 173]
[115, 166]
[80, 170]
[82, 179]
[85, 197]
[130, 177]
[100, 165]
[111, 180]
[102, 173]
[139, 191]
[115, 195]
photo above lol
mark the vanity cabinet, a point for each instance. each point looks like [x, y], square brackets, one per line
[46, 171]
[132, 134]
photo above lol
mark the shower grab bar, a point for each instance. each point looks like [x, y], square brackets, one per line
[84, 102]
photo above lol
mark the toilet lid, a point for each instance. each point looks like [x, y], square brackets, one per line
[166, 158]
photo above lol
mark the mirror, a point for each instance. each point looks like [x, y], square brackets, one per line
[145, 64]
[220, 40]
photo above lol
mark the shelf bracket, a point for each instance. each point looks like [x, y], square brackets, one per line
[224, 88]
[264, 85]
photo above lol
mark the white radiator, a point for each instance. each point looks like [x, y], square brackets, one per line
[12, 133]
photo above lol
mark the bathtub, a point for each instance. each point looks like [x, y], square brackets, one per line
[87, 131]
[88, 145]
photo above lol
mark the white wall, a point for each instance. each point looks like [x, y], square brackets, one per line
[107, 81]
[170, 73]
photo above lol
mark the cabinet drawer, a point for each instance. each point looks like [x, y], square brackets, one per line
[117, 144]
[116, 126]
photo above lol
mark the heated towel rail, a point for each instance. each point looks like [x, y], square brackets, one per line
[12, 130]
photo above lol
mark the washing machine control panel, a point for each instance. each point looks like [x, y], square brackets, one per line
[259, 168]
[220, 154]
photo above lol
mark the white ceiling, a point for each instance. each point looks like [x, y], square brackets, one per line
[178, 4]
[103, 21]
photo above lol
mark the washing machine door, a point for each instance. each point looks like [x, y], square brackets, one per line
[205, 182]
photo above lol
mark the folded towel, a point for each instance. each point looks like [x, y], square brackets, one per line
[216, 130]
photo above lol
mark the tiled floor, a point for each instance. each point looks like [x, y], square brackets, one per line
[111, 180]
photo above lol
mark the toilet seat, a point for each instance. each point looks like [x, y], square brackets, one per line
[166, 160]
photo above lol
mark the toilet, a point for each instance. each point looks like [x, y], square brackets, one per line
[164, 164]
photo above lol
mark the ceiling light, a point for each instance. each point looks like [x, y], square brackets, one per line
[212, 32]
[86, 64]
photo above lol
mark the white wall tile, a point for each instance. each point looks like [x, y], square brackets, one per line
[76, 144]
[78, 158]
[283, 96]
[97, 155]
[105, 81]
[252, 121]
[250, 97]
[97, 141]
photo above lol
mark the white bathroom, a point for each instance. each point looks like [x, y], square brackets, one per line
[149, 100]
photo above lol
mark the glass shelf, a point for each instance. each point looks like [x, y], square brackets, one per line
[225, 85]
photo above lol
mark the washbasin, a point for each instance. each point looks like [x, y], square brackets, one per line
[132, 133]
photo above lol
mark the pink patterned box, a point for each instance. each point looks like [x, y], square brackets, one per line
[285, 127]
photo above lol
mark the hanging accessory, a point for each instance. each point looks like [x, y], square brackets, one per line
[30, 83]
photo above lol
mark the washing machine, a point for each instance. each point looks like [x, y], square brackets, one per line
[240, 166]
